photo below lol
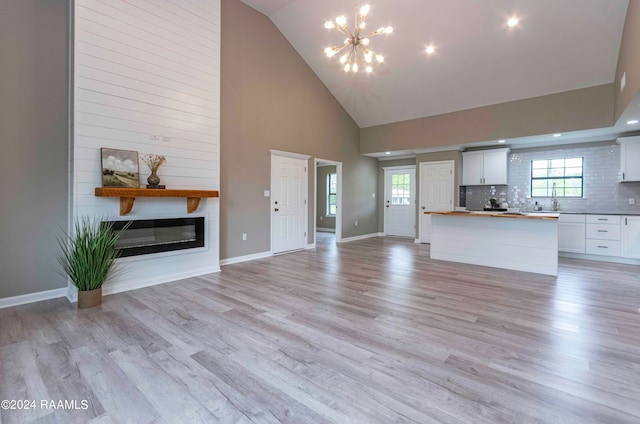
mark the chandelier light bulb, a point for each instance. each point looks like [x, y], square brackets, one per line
[341, 20]
[369, 69]
[354, 68]
[380, 58]
[364, 10]
[430, 49]
[388, 30]
[368, 57]
[329, 25]
[347, 67]
[343, 59]
[365, 41]
[363, 25]
[513, 22]
[329, 52]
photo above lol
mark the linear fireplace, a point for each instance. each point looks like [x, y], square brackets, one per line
[147, 236]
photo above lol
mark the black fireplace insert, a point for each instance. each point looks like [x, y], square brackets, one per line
[147, 236]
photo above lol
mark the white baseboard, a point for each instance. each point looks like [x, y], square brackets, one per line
[362, 237]
[245, 258]
[618, 260]
[325, 230]
[123, 286]
[23, 299]
[310, 246]
[417, 241]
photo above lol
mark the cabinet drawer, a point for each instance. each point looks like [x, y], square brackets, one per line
[603, 247]
[603, 232]
[603, 219]
[580, 219]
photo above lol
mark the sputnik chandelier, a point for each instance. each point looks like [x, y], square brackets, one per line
[355, 42]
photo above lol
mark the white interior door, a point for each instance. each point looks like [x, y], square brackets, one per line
[436, 193]
[400, 206]
[288, 203]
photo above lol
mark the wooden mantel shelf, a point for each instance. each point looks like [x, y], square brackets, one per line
[128, 196]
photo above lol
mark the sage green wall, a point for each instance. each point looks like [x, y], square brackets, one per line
[271, 99]
[628, 59]
[569, 111]
[322, 220]
[381, 199]
[33, 131]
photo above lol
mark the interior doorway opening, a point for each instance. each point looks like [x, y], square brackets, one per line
[328, 198]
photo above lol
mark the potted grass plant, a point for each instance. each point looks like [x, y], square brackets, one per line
[88, 255]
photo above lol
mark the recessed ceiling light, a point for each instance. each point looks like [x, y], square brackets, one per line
[430, 49]
[387, 153]
[512, 22]
[557, 135]
[632, 122]
[502, 141]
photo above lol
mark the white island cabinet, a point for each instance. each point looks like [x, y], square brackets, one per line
[519, 242]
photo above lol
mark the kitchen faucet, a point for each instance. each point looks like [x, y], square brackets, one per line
[554, 199]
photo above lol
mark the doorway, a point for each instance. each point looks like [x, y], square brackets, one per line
[289, 210]
[328, 198]
[399, 201]
[436, 193]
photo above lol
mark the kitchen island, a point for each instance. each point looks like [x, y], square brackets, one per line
[522, 242]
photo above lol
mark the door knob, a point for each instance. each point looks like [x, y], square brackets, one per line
[276, 209]
[387, 205]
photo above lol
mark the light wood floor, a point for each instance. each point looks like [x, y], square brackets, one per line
[367, 332]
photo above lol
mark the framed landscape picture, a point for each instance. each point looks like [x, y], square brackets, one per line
[120, 168]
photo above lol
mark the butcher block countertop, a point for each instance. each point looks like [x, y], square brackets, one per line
[532, 215]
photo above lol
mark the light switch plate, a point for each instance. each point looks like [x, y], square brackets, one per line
[632, 201]
[266, 193]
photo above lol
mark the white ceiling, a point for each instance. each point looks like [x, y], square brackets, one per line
[559, 45]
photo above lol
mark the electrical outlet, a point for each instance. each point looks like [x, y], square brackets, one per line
[320, 217]
[373, 195]
[356, 223]
[244, 236]
[632, 201]
[267, 193]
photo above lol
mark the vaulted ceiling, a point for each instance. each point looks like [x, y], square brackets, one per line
[557, 46]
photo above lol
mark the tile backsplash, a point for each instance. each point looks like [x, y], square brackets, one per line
[602, 190]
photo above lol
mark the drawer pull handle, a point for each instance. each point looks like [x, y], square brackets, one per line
[603, 247]
[603, 231]
[603, 219]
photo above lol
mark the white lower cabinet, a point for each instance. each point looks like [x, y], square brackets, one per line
[571, 233]
[603, 247]
[603, 235]
[631, 237]
[611, 236]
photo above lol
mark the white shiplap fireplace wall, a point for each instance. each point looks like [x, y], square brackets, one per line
[145, 70]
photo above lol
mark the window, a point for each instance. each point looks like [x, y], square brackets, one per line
[401, 189]
[332, 188]
[565, 174]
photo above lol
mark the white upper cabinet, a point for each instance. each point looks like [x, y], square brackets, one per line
[629, 159]
[485, 167]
